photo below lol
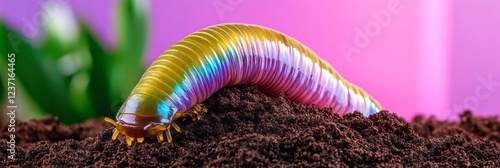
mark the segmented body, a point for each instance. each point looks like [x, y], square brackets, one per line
[194, 68]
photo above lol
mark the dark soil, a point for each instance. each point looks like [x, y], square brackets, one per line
[245, 127]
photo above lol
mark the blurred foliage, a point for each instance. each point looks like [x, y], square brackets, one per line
[70, 74]
[133, 20]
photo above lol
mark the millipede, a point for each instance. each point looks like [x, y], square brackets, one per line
[194, 68]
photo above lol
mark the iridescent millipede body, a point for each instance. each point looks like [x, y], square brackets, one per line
[197, 66]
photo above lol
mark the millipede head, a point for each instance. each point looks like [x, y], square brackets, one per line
[143, 115]
[132, 133]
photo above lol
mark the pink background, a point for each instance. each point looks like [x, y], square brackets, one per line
[427, 59]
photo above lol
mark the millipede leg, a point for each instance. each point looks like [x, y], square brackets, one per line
[196, 111]
[115, 134]
[159, 136]
[129, 140]
[169, 136]
[176, 127]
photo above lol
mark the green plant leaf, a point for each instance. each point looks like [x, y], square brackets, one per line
[132, 17]
[3, 92]
[98, 87]
[3, 74]
[60, 30]
[39, 76]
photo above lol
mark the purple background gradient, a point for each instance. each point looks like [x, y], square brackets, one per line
[430, 58]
